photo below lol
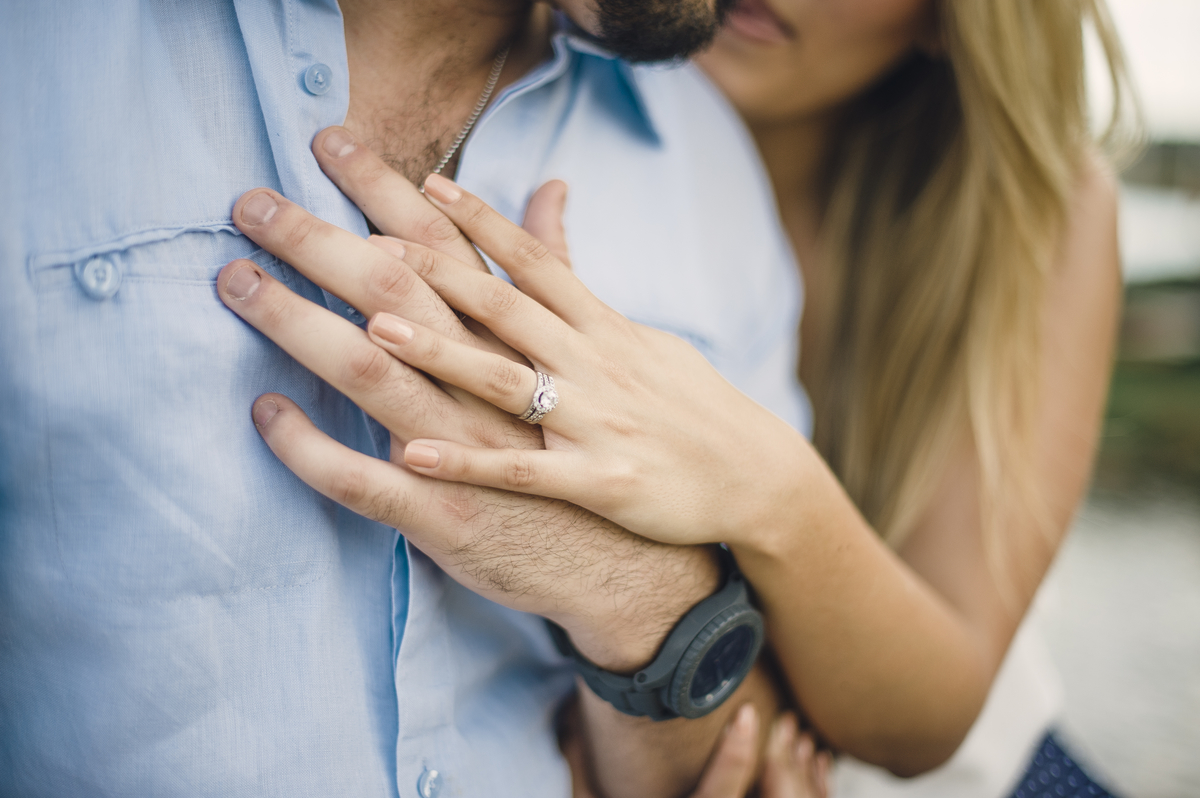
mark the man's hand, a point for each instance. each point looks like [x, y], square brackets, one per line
[617, 594]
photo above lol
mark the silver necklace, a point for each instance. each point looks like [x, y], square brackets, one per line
[497, 68]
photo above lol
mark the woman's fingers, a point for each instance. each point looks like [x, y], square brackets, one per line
[544, 219]
[552, 474]
[824, 771]
[493, 378]
[527, 260]
[730, 772]
[386, 197]
[515, 318]
[792, 768]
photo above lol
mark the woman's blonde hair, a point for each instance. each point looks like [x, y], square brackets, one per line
[945, 194]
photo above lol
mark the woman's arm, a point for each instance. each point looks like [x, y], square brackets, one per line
[891, 655]
[925, 647]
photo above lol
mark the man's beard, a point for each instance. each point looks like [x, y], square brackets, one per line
[659, 30]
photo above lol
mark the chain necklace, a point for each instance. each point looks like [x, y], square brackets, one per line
[497, 68]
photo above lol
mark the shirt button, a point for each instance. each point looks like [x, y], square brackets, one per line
[99, 277]
[354, 316]
[429, 784]
[318, 79]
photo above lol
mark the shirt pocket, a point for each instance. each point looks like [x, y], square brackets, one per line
[161, 487]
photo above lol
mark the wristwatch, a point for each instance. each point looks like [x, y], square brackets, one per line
[703, 661]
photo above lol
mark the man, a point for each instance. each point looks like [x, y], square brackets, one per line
[181, 614]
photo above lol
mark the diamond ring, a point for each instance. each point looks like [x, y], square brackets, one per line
[545, 399]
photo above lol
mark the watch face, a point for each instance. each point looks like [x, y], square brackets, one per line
[723, 666]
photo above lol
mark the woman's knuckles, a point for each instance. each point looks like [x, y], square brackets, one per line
[435, 231]
[499, 302]
[503, 379]
[519, 472]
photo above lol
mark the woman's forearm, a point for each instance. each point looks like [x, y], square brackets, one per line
[881, 663]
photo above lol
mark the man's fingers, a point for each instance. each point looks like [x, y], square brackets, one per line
[365, 276]
[551, 474]
[339, 352]
[386, 197]
[527, 260]
[494, 378]
[730, 772]
[544, 219]
[375, 488]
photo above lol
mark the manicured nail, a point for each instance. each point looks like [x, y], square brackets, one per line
[392, 246]
[743, 721]
[264, 411]
[824, 765]
[804, 748]
[441, 189]
[421, 456]
[338, 143]
[259, 209]
[391, 329]
[776, 741]
[243, 283]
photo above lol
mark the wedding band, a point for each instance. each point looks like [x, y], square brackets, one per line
[545, 399]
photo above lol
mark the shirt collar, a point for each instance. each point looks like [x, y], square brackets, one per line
[570, 36]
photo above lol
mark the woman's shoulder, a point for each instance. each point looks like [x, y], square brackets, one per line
[1095, 196]
[1089, 249]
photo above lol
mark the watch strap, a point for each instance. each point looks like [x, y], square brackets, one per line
[646, 692]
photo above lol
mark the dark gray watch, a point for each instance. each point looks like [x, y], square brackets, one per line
[701, 663]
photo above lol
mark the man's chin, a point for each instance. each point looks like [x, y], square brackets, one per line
[659, 30]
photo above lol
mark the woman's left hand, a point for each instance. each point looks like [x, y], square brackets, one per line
[647, 433]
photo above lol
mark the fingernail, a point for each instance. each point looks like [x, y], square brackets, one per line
[743, 722]
[393, 246]
[804, 748]
[243, 283]
[421, 456]
[338, 143]
[264, 411]
[391, 329]
[441, 189]
[775, 740]
[259, 209]
[824, 765]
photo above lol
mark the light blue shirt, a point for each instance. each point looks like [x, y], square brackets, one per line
[179, 614]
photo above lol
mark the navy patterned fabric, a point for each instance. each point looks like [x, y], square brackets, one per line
[1054, 774]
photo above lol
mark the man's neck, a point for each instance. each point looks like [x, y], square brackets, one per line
[417, 68]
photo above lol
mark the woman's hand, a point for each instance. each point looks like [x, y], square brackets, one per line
[647, 433]
[791, 766]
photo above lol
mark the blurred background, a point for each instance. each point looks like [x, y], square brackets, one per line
[1122, 603]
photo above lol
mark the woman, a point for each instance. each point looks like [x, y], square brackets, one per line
[956, 226]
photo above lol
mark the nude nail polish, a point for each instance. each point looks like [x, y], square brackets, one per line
[391, 329]
[441, 189]
[421, 456]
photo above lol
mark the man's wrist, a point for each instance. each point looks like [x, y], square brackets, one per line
[625, 636]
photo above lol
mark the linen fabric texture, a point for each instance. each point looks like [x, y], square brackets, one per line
[179, 614]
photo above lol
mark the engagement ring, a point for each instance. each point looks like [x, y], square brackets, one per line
[545, 399]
